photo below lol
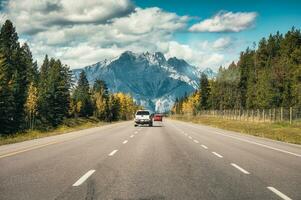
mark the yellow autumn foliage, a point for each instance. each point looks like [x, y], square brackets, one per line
[32, 100]
[31, 104]
[189, 105]
[127, 105]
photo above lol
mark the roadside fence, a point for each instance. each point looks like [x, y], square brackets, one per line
[290, 114]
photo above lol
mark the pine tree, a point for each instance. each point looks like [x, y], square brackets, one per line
[31, 66]
[82, 97]
[54, 93]
[9, 43]
[7, 102]
[100, 100]
[43, 94]
[16, 72]
[246, 67]
[59, 90]
[205, 92]
[44, 69]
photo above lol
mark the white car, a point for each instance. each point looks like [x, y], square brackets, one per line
[143, 117]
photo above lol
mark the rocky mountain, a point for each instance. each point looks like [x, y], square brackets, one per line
[150, 78]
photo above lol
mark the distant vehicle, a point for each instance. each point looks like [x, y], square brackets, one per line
[158, 117]
[143, 117]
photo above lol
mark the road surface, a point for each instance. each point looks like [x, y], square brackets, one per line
[173, 160]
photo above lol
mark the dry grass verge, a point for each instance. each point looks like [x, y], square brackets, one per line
[69, 125]
[276, 131]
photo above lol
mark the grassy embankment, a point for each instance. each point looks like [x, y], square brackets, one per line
[277, 131]
[68, 126]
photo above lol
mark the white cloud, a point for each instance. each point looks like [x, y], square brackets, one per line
[200, 58]
[226, 22]
[33, 16]
[88, 54]
[221, 43]
[84, 32]
[139, 31]
[149, 20]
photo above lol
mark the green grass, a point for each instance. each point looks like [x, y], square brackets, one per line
[276, 131]
[69, 125]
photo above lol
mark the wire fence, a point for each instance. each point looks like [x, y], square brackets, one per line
[259, 115]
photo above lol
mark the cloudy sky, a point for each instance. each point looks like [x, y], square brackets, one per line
[206, 33]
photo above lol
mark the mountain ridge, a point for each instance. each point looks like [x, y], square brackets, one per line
[154, 81]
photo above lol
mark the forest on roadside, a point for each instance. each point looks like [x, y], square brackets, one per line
[265, 77]
[41, 98]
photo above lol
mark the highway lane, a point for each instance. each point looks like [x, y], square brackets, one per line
[173, 160]
[43, 173]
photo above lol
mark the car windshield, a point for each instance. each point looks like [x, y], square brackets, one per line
[142, 113]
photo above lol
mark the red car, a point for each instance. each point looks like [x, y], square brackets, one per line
[158, 117]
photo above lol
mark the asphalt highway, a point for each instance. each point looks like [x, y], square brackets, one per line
[172, 160]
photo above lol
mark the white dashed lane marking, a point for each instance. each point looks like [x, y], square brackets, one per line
[125, 141]
[113, 152]
[218, 155]
[196, 141]
[190, 137]
[205, 147]
[83, 178]
[132, 136]
[240, 169]
[280, 194]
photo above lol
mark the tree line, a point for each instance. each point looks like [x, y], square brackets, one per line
[99, 102]
[32, 98]
[265, 77]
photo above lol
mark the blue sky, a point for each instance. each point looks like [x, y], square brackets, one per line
[273, 16]
[206, 33]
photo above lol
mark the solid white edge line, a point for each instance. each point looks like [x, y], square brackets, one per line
[196, 141]
[83, 178]
[113, 152]
[248, 141]
[280, 194]
[218, 155]
[205, 147]
[259, 144]
[125, 141]
[240, 169]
